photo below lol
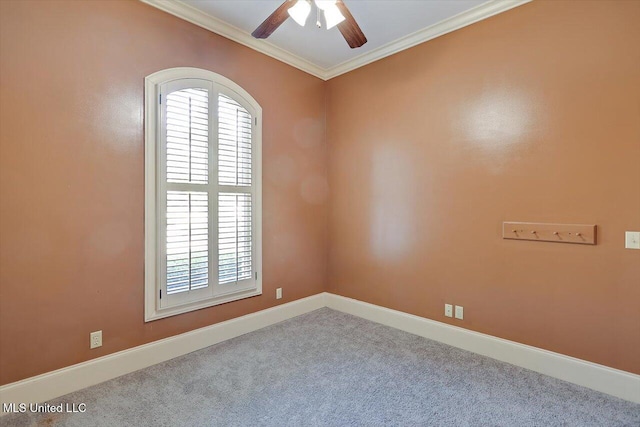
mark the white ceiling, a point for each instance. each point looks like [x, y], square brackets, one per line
[389, 25]
[381, 21]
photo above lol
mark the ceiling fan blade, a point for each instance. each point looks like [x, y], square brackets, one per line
[274, 20]
[349, 28]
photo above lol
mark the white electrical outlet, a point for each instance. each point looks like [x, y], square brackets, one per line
[448, 310]
[279, 293]
[632, 239]
[459, 312]
[95, 339]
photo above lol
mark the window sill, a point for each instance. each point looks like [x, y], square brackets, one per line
[210, 302]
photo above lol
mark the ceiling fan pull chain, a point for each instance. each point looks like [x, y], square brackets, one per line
[318, 23]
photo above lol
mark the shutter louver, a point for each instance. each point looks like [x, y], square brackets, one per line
[234, 143]
[187, 241]
[187, 135]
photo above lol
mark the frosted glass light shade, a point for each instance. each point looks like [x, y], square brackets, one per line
[300, 11]
[333, 16]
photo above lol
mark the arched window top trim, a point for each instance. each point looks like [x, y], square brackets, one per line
[165, 76]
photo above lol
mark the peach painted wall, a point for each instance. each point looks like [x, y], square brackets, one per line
[532, 115]
[72, 176]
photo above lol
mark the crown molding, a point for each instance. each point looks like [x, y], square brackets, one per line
[216, 25]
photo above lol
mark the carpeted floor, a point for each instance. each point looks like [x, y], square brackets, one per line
[330, 368]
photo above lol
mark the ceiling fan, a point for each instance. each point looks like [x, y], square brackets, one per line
[335, 13]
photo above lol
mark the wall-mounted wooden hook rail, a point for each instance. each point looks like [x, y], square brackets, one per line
[584, 234]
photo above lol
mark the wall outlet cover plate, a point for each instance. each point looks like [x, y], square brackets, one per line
[95, 339]
[632, 239]
[448, 310]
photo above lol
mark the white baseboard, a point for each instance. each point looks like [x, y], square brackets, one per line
[67, 380]
[601, 378]
[76, 377]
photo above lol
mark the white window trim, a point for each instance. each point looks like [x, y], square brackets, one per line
[153, 310]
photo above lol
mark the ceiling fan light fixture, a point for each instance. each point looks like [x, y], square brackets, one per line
[333, 16]
[335, 12]
[300, 11]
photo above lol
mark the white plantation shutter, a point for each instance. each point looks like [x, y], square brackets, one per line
[187, 158]
[187, 241]
[187, 135]
[234, 205]
[185, 191]
[234, 143]
[234, 237]
[206, 195]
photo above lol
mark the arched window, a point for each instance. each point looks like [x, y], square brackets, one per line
[203, 192]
